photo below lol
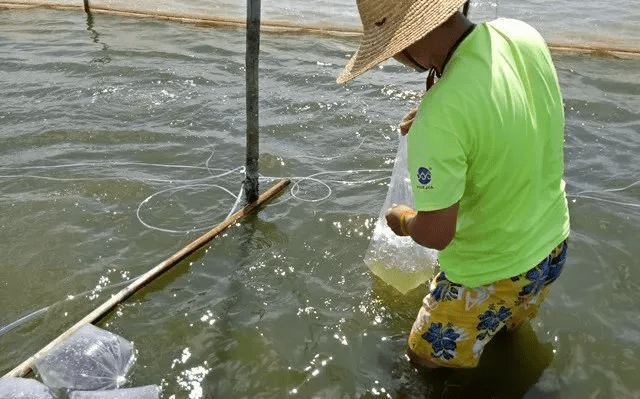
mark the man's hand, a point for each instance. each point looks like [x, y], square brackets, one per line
[407, 121]
[394, 216]
[432, 229]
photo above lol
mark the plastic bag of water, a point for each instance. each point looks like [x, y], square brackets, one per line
[399, 261]
[90, 359]
[146, 392]
[24, 388]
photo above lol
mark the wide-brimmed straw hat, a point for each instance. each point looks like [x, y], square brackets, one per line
[390, 26]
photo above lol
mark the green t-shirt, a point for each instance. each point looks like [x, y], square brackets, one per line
[490, 134]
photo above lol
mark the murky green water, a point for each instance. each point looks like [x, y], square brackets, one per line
[123, 140]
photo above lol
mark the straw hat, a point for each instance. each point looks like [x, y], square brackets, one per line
[390, 26]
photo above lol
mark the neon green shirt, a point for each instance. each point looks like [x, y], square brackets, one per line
[490, 134]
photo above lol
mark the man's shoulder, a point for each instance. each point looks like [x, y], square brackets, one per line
[515, 28]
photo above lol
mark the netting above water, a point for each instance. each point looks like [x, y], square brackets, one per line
[601, 28]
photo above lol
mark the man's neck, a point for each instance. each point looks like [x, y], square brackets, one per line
[445, 38]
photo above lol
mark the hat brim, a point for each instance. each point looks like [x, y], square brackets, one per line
[379, 43]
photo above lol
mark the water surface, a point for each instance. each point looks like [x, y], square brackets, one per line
[123, 139]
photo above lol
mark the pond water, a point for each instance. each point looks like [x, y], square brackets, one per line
[122, 140]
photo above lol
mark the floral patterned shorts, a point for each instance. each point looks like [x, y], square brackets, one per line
[456, 322]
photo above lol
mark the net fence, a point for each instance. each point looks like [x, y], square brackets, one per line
[609, 30]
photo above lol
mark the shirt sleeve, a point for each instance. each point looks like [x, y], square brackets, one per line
[437, 164]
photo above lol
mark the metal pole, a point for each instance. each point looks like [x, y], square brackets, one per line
[252, 52]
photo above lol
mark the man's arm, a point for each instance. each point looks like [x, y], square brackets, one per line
[433, 229]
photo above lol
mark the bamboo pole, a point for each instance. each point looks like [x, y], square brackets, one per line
[24, 368]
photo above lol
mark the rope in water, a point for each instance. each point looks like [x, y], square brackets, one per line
[321, 184]
[28, 317]
[295, 193]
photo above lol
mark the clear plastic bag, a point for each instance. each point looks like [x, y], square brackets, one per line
[24, 388]
[90, 359]
[146, 392]
[399, 261]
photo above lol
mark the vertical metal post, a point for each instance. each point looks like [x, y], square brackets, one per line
[253, 50]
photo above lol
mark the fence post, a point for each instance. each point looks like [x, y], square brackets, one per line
[252, 53]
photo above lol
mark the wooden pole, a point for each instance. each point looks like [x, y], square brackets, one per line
[253, 137]
[24, 368]
[86, 6]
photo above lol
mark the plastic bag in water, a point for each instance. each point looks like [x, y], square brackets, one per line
[90, 359]
[146, 392]
[399, 261]
[24, 388]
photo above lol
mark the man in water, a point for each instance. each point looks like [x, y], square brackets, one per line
[485, 156]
